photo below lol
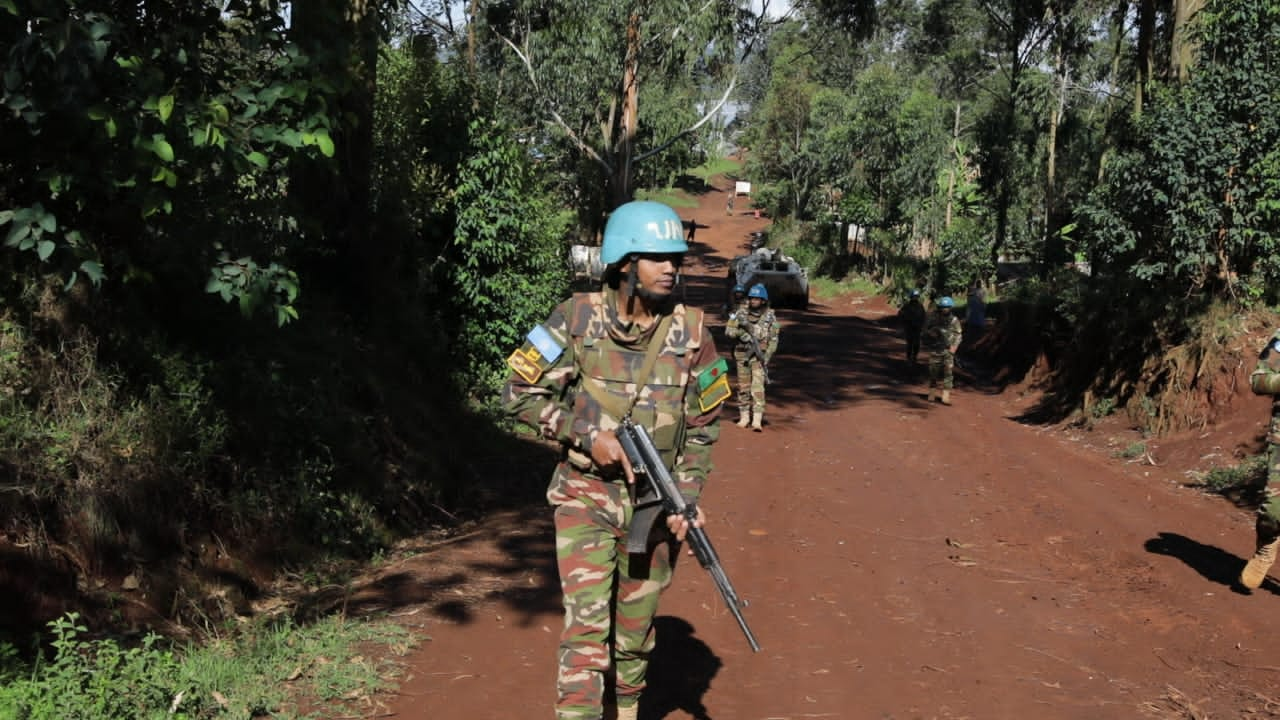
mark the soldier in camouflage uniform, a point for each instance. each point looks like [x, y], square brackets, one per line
[912, 317]
[941, 337]
[629, 349]
[758, 321]
[1265, 380]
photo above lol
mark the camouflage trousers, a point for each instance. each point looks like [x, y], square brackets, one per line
[1269, 513]
[942, 366]
[610, 600]
[751, 386]
[913, 344]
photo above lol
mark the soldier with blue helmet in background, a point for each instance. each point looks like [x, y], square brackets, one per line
[629, 350]
[912, 316]
[754, 327]
[737, 300]
[941, 337]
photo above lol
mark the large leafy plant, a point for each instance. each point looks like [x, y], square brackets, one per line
[143, 145]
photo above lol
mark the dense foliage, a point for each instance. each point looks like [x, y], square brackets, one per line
[385, 192]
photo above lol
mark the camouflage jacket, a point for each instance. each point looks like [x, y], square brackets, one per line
[1265, 380]
[584, 344]
[942, 332]
[762, 325]
[912, 315]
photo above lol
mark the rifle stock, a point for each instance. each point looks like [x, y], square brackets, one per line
[645, 460]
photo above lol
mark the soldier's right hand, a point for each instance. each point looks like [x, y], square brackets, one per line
[608, 455]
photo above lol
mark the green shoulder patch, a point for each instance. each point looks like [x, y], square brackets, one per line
[713, 385]
[712, 373]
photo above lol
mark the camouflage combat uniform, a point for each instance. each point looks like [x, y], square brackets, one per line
[581, 353]
[1265, 380]
[912, 317]
[942, 332]
[763, 325]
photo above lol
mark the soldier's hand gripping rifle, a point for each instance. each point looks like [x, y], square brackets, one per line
[754, 345]
[645, 461]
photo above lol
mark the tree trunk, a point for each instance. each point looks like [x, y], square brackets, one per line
[1053, 245]
[621, 189]
[341, 37]
[955, 165]
[1182, 51]
[1146, 57]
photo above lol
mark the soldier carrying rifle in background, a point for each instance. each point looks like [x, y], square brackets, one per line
[755, 330]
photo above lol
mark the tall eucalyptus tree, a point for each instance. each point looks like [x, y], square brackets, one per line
[590, 67]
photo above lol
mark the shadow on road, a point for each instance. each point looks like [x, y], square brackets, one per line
[680, 672]
[1213, 563]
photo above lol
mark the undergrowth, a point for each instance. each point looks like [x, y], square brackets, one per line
[256, 671]
[1248, 477]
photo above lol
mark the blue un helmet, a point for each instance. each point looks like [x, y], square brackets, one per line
[758, 291]
[946, 302]
[642, 226]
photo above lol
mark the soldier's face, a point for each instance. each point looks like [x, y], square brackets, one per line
[756, 303]
[656, 274]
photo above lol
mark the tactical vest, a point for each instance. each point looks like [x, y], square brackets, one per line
[612, 369]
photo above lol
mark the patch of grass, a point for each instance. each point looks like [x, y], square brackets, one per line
[1103, 408]
[825, 287]
[674, 197]
[269, 668]
[1248, 475]
[717, 166]
[1133, 450]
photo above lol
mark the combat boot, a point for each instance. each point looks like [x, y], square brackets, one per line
[1255, 571]
[757, 423]
[628, 712]
[933, 394]
[946, 397]
[744, 418]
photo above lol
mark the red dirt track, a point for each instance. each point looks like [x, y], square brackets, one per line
[902, 560]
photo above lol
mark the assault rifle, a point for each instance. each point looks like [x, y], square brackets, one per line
[646, 461]
[754, 344]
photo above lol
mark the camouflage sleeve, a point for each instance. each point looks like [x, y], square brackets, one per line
[771, 346]
[955, 331]
[703, 401]
[536, 394]
[731, 327]
[1265, 378]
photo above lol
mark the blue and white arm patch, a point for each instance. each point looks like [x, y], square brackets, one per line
[545, 344]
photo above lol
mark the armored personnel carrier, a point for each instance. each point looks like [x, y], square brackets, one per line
[784, 278]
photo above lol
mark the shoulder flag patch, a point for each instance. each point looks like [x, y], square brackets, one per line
[546, 345]
[713, 373]
[539, 353]
[713, 385]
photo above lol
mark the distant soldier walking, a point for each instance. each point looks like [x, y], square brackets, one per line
[755, 328]
[912, 317]
[1265, 380]
[942, 333]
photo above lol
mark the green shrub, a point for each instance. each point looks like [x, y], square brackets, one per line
[250, 674]
[1248, 475]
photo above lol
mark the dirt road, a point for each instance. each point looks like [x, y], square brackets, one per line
[902, 560]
